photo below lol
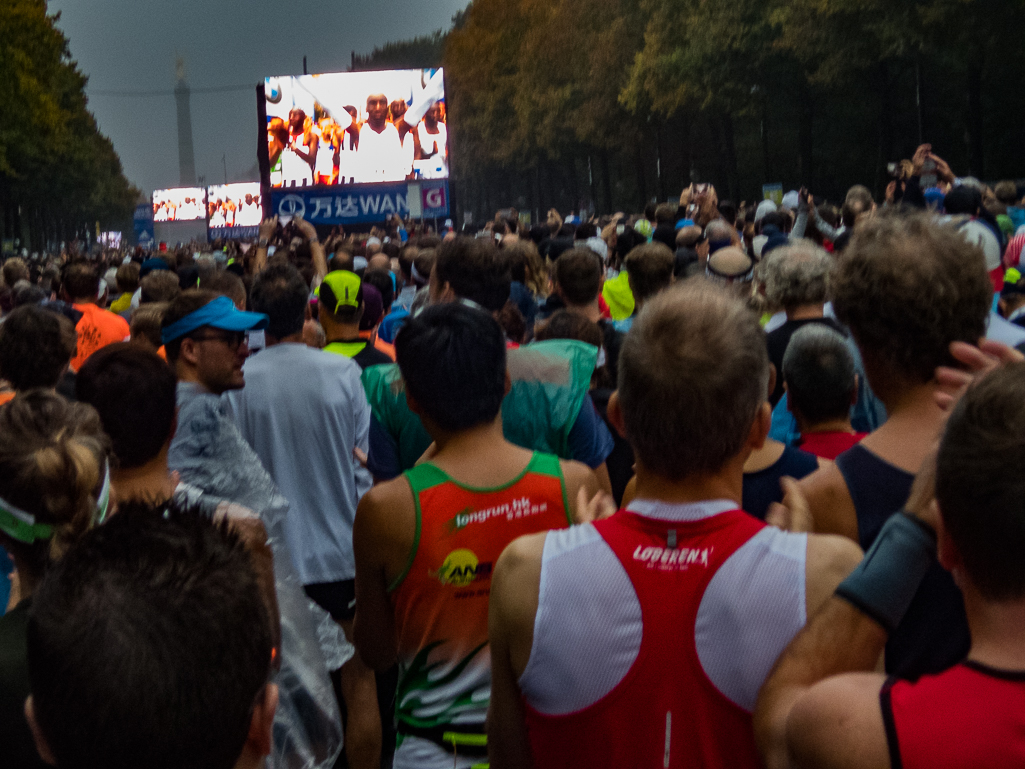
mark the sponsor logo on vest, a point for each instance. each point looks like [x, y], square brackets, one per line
[522, 507]
[461, 567]
[672, 558]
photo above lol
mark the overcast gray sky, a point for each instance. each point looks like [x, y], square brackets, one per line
[130, 45]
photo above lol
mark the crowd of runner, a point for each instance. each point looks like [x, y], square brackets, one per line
[711, 485]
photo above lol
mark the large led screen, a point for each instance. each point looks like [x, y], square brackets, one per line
[356, 128]
[181, 204]
[234, 205]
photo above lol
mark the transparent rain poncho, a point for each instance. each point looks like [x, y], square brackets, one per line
[210, 454]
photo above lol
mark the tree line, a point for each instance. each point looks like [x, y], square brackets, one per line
[58, 174]
[612, 103]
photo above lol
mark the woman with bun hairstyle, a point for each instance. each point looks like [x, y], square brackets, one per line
[54, 486]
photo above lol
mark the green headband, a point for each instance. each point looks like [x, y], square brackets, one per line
[21, 525]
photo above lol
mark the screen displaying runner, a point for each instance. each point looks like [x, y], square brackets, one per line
[356, 128]
[181, 204]
[234, 205]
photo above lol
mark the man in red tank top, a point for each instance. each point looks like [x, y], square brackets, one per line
[641, 640]
[823, 707]
[425, 543]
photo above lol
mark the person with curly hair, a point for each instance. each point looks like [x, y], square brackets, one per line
[906, 287]
[797, 279]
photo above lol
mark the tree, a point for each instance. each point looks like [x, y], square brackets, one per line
[58, 173]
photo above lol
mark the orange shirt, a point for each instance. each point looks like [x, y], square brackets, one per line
[97, 328]
[6, 397]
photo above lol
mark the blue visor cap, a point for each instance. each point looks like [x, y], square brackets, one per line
[220, 313]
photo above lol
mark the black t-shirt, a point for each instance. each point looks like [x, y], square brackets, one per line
[371, 356]
[612, 341]
[367, 356]
[17, 748]
[777, 341]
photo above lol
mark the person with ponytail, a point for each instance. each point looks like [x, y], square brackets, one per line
[54, 486]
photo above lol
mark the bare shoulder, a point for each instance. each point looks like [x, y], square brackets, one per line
[387, 495]
[385, 525]
[577, 473]
[829, 559]
[838, 723]
[830, 502]
[521, 556]
[517, 576]
[578, 477]
[515, 586]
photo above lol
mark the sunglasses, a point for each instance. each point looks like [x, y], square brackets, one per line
[233, 339]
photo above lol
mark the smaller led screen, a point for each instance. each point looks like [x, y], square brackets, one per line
[234, 205]
[181, 204]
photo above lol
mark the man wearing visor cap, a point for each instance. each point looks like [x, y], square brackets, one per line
[204, 336]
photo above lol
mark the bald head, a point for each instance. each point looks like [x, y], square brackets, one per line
[688, 237]
[379, 262]
[719, 233]
[377, 110]
[730, 266]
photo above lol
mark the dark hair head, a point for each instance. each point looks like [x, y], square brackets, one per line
[36, 345]
[148, 645]
[979, 483]
[146, 322]
[185, 303]
[127, 278]
[159, 286]
[27, 293]
[907, 287]
[473, 267]
[665, 213]
[80, 281]
[424, 263]
[452, 359]
[578, 276]
[52, 454]
[227, 283]
[513, 324]
[381, 280]
[963, 200]
[819, 373]
[728, 211]
[564, 324]
[14, 269]
[585, 230]
[406, 257]
[133, 391]
[1006, 192]
[649, 212]
[776, 219]
[281, 293]
[650, 268]
[693, 373]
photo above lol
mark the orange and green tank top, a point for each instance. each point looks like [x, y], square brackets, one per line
[441, 599]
